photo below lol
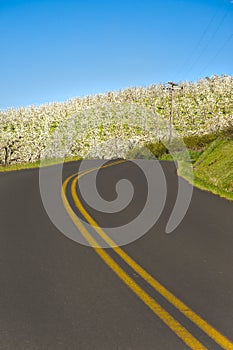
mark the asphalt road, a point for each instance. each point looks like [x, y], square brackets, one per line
[56, 294]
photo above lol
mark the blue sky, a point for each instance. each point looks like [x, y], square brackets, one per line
[52, 50]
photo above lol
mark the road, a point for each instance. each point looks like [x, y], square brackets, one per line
[162, 291]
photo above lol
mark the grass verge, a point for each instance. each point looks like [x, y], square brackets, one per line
[32, 165]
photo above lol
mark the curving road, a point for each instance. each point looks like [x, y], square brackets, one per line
[162, 291]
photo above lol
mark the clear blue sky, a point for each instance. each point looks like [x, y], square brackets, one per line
[51, 50]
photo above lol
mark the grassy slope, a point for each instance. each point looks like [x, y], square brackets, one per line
[213, 170]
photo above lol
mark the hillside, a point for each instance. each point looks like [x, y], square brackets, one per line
[213, 170]
[123, 123]
[109, 125]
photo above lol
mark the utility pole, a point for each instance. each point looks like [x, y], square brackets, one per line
[171, 87]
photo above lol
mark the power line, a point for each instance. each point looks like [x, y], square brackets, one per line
[208, 44]
[218, 52]
[199, 41]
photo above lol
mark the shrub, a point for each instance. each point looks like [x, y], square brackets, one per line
[140, 152]
[199, 142]
[158, 149]
[228, 131]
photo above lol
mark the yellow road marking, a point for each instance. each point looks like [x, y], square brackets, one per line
[201, 323]
[172, 323]
[189, 313]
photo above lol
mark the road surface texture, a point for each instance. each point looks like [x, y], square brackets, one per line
[163, 291]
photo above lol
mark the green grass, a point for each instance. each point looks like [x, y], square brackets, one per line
[213, 169]
[32, 165]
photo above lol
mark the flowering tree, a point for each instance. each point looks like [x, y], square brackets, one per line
[115, 120]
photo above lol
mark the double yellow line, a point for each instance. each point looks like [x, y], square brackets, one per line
[171, 322]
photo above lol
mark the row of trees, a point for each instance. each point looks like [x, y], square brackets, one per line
[100, 125]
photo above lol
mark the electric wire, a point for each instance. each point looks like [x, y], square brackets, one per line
[218, 52]
[208, 44]
[198, 44]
